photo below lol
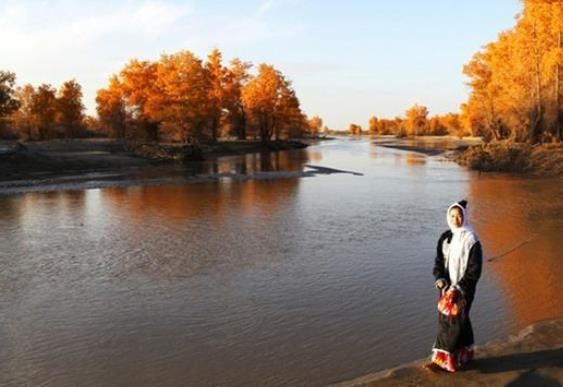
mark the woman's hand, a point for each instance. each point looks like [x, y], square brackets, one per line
[440, 284]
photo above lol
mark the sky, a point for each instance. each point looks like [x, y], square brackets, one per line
[347, 60]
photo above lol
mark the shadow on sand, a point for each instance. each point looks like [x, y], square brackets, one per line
[518, 361]
[529, 363]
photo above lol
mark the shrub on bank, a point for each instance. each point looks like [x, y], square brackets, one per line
[547, 160]
[542, 160]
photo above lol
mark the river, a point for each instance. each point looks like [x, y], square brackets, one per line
[293, 281]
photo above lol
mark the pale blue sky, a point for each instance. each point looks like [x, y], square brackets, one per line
[348, 60]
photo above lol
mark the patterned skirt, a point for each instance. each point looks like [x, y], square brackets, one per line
[453, 347]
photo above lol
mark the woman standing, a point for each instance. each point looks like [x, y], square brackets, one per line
[457, 269]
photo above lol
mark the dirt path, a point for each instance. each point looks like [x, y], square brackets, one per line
[534, 357]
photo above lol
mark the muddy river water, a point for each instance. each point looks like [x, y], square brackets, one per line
[239, 282]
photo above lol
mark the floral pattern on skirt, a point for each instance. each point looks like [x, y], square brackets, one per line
[452, 361]
[453, 347]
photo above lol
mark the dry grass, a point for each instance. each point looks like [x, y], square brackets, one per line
[540, 160]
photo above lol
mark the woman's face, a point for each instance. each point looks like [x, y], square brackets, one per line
[456, 217]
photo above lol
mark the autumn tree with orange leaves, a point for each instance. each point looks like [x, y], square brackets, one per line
[516, 80]
[385, 126]
[355, 130]
[8, 101]
[192, 101]
[24, 119]
[271, 104]
[292, 122]
[70, 110]
[184, 105]
[218, 77]
[315, 124]
[416, 120]
[237, 76]
[44, 109]
[440, 125]
[373, 126]
[111, 108]
[138, 87]
[43, 113]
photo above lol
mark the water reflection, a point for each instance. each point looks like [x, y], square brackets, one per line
[415, 159]
[178, 204]
[264, 161]
[285, 282]
[10, 209]
[167, 232]
[520, 225]
[199, 228]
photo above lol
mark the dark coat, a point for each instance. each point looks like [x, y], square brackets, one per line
[468, 282]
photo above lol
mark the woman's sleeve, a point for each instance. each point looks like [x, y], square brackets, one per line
[439, 268]
[474, 267]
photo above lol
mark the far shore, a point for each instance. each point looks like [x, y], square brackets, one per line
[98, 163]
[20, 161]
[541, 160]
[533, 357]
[428, 145]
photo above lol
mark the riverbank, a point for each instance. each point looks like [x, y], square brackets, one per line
[59, 158]
[543, 160]
[533, 357]
[428, 145]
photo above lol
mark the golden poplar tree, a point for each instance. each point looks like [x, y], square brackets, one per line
[218, 77]
[44, 109]
[416, 120]
[111, 109]
[315, 124]
[236, 78]
[184, 104]
[515, 80]
[23, 119]
[70, 110]
[374, 126]
[8, 102]
[140, 91]
[271, 104]
[354, 130]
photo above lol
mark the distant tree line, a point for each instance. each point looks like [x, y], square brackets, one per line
[177, 98]
[40, 113]
[416, 122]
[515, 86]
[183, 98]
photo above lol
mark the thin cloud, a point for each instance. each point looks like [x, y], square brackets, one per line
[266, 6]
[52, 41]
[148, 19]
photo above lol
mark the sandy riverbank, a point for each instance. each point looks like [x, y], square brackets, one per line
[533, 357]
[428, 145]
[101, 163]
[543, 160]
[60, 162]
[58, 157]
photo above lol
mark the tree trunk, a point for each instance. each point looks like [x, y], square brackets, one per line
[241, 124]
[214, 129]
[536, 121]
[272, 129]
[263, 129]
[493, 121]
[557, 77]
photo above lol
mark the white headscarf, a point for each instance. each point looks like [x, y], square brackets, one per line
[457, 253]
